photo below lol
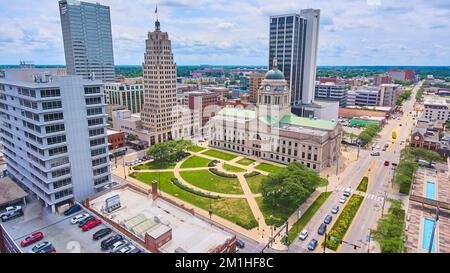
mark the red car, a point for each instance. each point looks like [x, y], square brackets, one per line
[386, 163]
[91, 224]
[31, 239]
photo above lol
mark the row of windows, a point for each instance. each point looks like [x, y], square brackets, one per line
[97, 121]
[57, 150]
[98, 151]
[27, 92]
[59, 161]
[94, 111]
[96, 132]
[99, 161]
[100, 171]
[92, 90]
[101, 180]
[62, 183]
[56, 139]
[53, 116]
[50, 93]
[30, 115]
[63, 193]
[90, 101]
[97, 142]
[61, 172]
[51, 105]
[54, 128]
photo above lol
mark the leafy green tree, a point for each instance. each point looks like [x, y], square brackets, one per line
[289, 187]
[170, 151]
[390, 229]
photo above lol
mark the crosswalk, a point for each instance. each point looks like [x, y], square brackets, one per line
[370, 196]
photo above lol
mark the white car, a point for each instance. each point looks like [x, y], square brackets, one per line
[126, 249]
[375, 153]
[342, 199]
[79, 218]
[347, 192]
[11, 209]
[118, 245]
[303, 235]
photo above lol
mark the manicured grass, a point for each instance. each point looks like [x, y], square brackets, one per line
[155, 165]
[254, 183]
[279, 214]
[363, 184]
[219, 154]
[231, 168]
[195, 162]
[344, 221]
[196, 149]
[245, 161]
[206, 180]
[268, 167]
[306, 216]
[233, 209]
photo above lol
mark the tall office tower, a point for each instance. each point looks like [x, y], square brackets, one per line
[88, 47]
[54, 134]
[293, 42]
[160, 86]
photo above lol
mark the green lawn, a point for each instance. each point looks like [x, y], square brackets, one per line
[344, 221]
[206, 180]
[279, 215]
[233, 209]
[306, 216]
[254, 183]
[245, 161]
[219, 155]
[195, 162]
[231, 168]
[268, 167]
[155, 165]
[196, 149]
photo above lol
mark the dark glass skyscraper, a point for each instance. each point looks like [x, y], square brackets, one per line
[88, 47]
[293, 41]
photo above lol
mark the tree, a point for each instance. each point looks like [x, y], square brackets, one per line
[290, 186]
[390, 229]
[170, 151]
[131, 137]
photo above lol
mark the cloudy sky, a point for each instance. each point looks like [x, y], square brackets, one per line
[352, 32]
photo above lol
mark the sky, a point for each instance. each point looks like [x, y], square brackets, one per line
[225, 32]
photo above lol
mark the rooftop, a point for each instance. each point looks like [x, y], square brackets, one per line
[10, 191]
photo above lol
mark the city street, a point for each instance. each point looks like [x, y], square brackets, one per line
[379, 185]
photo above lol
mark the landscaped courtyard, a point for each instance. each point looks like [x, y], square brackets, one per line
[218, 188]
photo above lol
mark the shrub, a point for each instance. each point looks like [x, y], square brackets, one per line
[193, 191]
[219, 173]
[363, 184]
[254, 173]
[213, 163]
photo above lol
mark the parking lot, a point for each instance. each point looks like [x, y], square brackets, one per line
[64, 236]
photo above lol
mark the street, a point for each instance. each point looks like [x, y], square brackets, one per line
[380, 185]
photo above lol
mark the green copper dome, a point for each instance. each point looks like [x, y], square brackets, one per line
[274, 74]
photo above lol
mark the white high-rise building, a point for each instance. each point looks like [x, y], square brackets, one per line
[54, 134]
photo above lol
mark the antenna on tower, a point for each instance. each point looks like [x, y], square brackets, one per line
[157, 25]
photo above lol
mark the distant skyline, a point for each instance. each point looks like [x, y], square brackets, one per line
[228, 32]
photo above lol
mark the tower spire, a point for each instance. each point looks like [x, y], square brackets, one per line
[157, 25]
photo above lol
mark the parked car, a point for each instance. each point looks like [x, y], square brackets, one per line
[303, 235]
[328, 219]
[32, 238]
[45, 247]
[312, 245]
[11, 209]
[342, 199]
[78, 218]
[347, 191]
[108, 242]
[11, 215]
[322, 229]
[386, 163]
[335, 209]
[126, 249]
[101, 233]
[136, 250]
[240, 243]
[118, 245]
[85, 220]
[72, 210]
[375, 153]
[394, 164]
[91, 224]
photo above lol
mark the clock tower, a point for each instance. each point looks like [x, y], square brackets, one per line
[274, 96]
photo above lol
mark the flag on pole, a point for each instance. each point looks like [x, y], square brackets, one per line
[156, 9]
